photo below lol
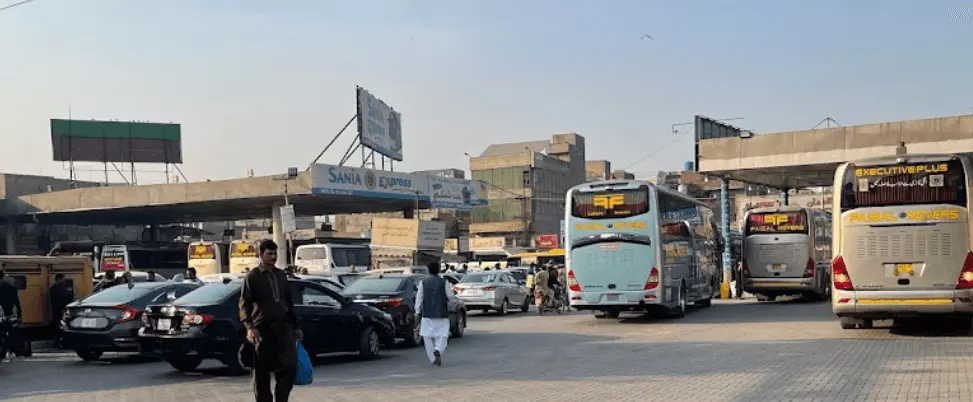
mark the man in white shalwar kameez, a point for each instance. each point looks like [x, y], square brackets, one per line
[432, 306]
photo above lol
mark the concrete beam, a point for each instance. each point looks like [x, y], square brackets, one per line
[809, 157]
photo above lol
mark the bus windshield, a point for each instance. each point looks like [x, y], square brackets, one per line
[607, 205]
[904, 184]
[777, 223]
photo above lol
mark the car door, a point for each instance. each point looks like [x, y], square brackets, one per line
[307, 319]
[516, 296]
[332, 328]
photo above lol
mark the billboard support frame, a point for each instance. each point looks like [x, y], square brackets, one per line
[333, 139]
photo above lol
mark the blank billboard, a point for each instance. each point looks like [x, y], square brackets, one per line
[379, 126]
[116, 141]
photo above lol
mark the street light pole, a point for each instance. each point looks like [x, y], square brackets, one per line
[288, 246]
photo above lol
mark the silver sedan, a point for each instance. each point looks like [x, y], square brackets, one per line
[492, 290]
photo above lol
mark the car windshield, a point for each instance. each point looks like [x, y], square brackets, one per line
[312, 253]
[213, 293]
[479, 278]
[347, 280]
[121, 294]
[519, 275]
[374, 285]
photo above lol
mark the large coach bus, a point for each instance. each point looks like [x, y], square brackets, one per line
[902, 240]
[787, 251]
[633, 246]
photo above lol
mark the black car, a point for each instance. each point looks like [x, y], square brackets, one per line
[396, 295]
[205, 324]
[108, 321]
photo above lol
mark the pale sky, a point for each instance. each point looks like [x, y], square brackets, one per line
[266, 84]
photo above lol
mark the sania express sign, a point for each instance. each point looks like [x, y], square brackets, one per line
[341, 180]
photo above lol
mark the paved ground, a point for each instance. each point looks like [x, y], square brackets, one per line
[733, 351]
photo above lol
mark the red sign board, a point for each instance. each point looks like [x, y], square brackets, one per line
[547, 241]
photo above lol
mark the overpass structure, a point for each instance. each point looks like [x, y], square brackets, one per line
[809, 158]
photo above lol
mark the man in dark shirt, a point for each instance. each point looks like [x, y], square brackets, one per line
[61, 294]
[10, 303]
[267, 310]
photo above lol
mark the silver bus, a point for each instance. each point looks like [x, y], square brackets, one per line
[787, 252]
[902, 240]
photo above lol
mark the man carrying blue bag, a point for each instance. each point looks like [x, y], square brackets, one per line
[267, 310]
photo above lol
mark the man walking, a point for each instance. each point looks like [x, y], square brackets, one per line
[432, 308]
[267, 310]
[61, 294]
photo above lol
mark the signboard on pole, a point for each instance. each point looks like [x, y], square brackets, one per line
[288, 222]
[379, 126]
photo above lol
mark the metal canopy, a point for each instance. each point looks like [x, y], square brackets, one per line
[783, 177]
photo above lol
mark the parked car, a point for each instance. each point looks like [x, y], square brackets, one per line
[492, 290]
[215, 278]
[205, 324]
[327, 282]
[396, 295]
[137, 276]
[413, 270]
[108, 321]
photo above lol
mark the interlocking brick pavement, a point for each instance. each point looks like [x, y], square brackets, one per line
[733, 351]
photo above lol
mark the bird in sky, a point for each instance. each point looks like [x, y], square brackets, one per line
[645, 36]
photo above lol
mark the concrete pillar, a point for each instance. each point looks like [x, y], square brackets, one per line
[725, 231]
[279, 238]
[11, 238]
[785, 197]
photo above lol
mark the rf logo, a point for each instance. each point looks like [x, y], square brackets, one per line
[775, 219]
[609, 201]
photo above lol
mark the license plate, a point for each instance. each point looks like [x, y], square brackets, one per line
[163, 325]
[89, 323]
[472, 292]
[611, 297]
[904, 270]
[778, 267]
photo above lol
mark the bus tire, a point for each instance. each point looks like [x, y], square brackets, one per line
[850, 322]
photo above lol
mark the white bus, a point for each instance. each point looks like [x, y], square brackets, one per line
[902, 240]
[787, 252]
[243, 256]
[633, 246]
[208, 257]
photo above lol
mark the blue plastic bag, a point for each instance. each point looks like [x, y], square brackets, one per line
[305, 372]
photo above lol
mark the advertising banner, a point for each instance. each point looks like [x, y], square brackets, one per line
[113, 259]
[408, 233]
[486, 244]
[457, 193]
[379, 126]
[451, 246]
[361, 182]
[547, 241]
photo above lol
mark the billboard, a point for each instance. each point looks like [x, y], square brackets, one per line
[408, 234]
[547, 241]
[362, 182]
[379, 126]
[456, 193]
[115, 141]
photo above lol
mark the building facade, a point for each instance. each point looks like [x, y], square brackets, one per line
[528, 182]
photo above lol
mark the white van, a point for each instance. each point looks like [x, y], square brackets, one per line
[333, 259]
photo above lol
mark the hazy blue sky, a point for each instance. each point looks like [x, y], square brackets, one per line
[266, 84]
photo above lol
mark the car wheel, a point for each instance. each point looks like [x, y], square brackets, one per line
[526, 306]
[89, 355]
[186, 364]
[503, 307]
[415, 337]
[460, 328]
[369, 344]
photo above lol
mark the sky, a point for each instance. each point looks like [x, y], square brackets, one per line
[266, 85]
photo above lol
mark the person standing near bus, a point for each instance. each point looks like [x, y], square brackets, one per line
[61, 294]
[432, 308]
[10, 303]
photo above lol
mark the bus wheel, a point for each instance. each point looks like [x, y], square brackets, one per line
[850, 323]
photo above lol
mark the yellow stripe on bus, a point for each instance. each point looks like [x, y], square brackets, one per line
[905, 301]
